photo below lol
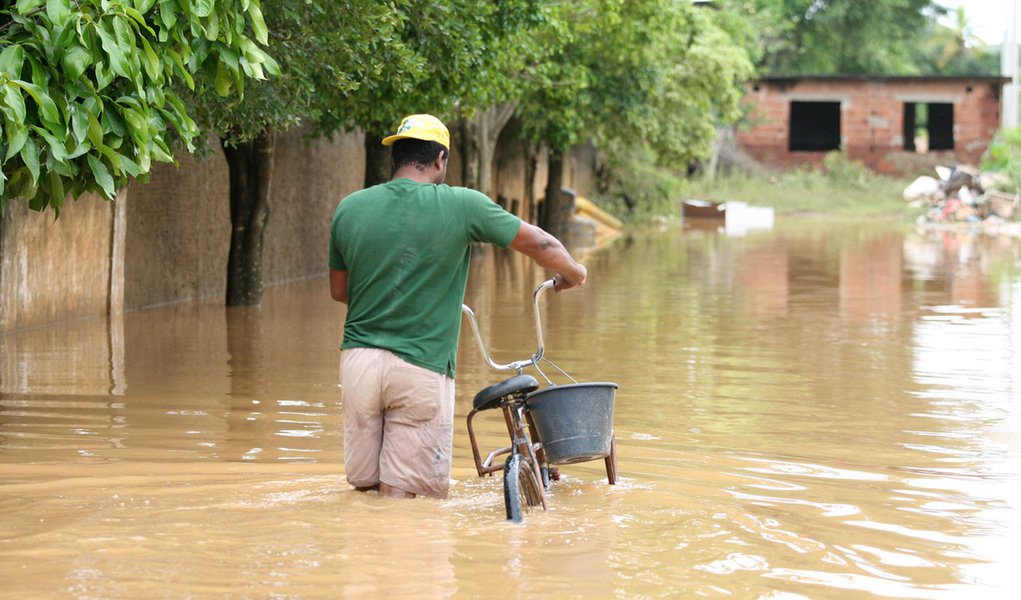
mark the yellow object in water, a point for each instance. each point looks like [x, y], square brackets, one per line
[593, 224]
[584, 207]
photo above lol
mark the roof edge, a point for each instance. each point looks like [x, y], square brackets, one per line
[865, 77]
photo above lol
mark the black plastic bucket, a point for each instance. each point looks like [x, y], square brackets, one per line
[574, 422]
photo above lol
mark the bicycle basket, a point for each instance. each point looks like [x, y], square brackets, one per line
[574, 422]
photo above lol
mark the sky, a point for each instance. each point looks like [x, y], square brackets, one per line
[987, 18]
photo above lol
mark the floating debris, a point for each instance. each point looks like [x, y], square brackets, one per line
[961, 194]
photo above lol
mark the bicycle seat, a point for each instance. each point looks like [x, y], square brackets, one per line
[491, 396]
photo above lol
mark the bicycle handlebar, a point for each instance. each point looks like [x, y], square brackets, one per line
[516, 365]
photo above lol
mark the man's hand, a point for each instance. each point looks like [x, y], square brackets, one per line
[562, 283]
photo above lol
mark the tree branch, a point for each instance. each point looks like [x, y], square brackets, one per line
[29, 14]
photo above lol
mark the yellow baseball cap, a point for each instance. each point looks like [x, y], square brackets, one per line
[421, 127]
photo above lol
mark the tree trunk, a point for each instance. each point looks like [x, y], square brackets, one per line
[488, 127]
[479, 136]
[377, 160]
[531, 213]
[251, 171]
[555, 207]
[469, 147]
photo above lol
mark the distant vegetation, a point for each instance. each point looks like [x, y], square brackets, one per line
[881, 37]
[818, 37]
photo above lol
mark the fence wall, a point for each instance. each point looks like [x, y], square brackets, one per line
[176, 231]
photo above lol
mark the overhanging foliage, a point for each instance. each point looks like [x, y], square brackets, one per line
[87, 88]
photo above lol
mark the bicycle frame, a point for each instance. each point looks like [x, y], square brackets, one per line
[521, 442]
[519, 424]
[510, 396]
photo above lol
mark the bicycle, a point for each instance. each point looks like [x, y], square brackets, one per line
[527, 472]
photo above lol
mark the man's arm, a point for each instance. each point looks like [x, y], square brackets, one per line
[548, 252]
[338, 285]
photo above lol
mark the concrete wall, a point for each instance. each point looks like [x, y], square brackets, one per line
[179, 224]
[872, 121]
[310, 180]
[177, 231]
[55, 270]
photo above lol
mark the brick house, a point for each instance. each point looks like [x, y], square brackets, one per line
[893, 124]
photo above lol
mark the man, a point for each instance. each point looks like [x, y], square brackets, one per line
[399, 255]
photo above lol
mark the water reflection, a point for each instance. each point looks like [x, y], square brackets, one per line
[825, 409]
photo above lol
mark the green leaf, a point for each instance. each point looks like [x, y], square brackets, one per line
[25, 6]
[161, 152]
[202, 8]
[79, 123]
[76, 60]
[80, 149]
[14, 101]
[16, 137]
[36, 201]
[58, 11]
[56, 190]
[212, 28]
[30, 156]
[143, 6]
[139, 18]
[151, 62]
[118, 60]
[271, 65]
[57, 149]
[136, 122]
[144, 160]
[40, 74]
[95, 131]
[228, 55]
[111, 155]
[123, 33]
[11, 60]
[20, 184]
[47, 108]
[65, 168]
[130, 167]
[102, 176]
[182, 70]
[113, 123]
[167, 15]
[104, 75]
[223, 80]
[258, 23]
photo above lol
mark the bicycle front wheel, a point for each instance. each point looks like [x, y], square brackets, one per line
[521, 489]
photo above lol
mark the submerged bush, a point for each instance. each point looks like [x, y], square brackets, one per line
[839, 169]
[635, 189]
[1004, 155]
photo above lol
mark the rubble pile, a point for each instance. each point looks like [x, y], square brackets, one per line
[962, 194]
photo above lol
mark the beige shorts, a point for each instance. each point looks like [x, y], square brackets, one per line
[398, 423]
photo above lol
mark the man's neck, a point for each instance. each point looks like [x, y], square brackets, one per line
[413, 173]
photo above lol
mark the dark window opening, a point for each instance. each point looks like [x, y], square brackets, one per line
[815, 126]
[928, 126]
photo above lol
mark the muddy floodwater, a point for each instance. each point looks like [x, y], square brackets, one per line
[826, 410]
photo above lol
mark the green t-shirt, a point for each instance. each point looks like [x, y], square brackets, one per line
[406, 247]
